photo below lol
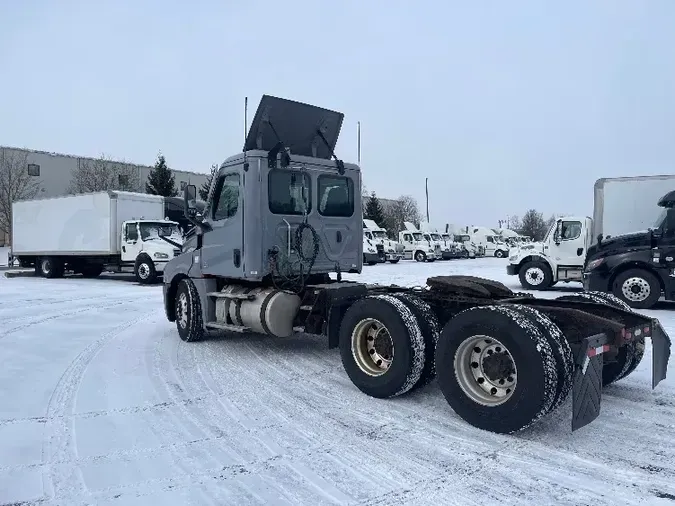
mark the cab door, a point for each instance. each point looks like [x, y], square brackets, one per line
[222, 247]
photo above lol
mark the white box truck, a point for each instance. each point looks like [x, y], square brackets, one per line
[621, 206]
[88, 233]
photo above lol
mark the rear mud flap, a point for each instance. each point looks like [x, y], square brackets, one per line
[587, 389]
[660, 353]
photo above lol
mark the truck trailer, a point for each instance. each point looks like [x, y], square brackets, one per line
[502, 360]
[94, 232]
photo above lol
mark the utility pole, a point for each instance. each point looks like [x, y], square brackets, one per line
[426, 184]
[358, 144]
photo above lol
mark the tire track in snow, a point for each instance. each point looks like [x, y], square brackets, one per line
[58, 436]
[43, 319]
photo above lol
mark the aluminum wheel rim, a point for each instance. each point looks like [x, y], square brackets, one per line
[144, 271]
[372, 347]
[480, 385]
[636, 289]
[46, 266]
[534, 276]
[419, 257]
[182, 309]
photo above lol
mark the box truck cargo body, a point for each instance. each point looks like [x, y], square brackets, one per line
[88, 233]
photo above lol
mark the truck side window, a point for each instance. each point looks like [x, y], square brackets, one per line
[131, 232]
[570, 230]
[490, 239]
[289, 192]
[407, 237]
[227, 200]
[336, 196]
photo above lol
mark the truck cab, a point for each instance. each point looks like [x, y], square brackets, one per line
[373, 252]
[558, 257]
[415, 246]
[391, 251]
[472, 251]
[146, 246]
[638, 267]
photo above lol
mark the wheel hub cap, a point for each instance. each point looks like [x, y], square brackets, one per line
[636, 289]
[485, 370]
[372, 347]
[534, 275]
[143, 271]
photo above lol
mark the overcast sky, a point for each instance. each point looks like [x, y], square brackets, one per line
[504, 106]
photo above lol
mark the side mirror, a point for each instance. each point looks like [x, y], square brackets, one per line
[190, 200]
[558, 232]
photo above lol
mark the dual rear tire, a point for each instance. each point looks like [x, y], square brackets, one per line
[500, 368]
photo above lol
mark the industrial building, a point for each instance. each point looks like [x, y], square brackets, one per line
[55, 172]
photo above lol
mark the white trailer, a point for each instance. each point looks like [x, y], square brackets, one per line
[621, 206]
[92, 232]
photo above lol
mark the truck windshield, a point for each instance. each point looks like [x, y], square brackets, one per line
[660, 219]
[417, 236]
[462, 238]
[380, 234]
[436, 237]
[446, 237]
[155, 230]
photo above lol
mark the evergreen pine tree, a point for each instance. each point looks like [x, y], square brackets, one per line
[206, 187]
[161, 180]
[374, 210]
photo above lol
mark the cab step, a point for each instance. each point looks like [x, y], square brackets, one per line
[227, 326]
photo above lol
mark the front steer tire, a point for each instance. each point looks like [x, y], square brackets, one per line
[535, 275]
[399, 323]
[144, 270]
[534, 393]
[188, 311]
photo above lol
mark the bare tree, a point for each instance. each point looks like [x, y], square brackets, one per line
[404, 208]
[101, 174]
[15, 184]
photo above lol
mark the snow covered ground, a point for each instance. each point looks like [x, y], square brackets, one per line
[101, 403]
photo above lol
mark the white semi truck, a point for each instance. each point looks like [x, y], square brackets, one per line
[620, 206]
[95, 232]
[391, 251]
[416, 246]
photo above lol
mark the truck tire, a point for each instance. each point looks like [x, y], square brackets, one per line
[561, 350]
[381, 346]
[496, 369]
[639, 288]
[394, 261]
[629, 356]
[500, 254]
[144, 270]
[188, 310]
[49, 267]
[431, 331]
[535, 275]
[420, 256]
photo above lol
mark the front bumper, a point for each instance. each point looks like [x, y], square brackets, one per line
[595, 281]
[394, 256]
[372, 257]
[512, 269]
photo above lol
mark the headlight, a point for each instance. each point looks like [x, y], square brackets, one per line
[594, 263]
[513, 258]
[160, 255]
